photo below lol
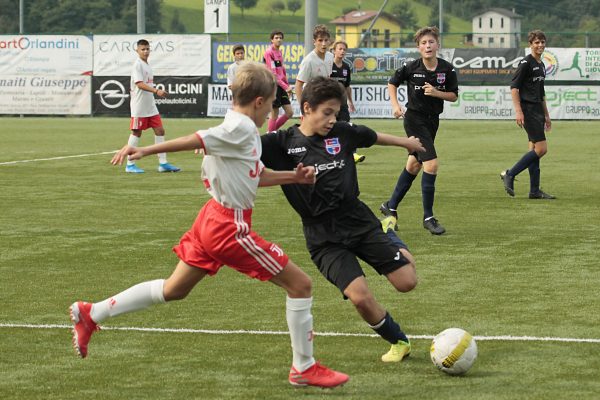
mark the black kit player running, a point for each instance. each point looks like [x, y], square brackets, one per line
[338, 227]
[421, 119]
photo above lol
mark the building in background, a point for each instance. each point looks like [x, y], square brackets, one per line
[351, 27]
[497, 28]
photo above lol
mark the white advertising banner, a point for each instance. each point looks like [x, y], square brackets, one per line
[170, 55]
[576, 64]
[474, 102]
[45, 55]
[45, 95]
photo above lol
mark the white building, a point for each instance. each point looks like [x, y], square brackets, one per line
[497, 27]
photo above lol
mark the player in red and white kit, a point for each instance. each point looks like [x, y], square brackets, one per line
[144, 113]
[222, 233]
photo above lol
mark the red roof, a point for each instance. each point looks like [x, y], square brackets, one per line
[355, 17]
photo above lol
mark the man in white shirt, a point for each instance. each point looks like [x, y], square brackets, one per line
[318, 62]
[144, 113]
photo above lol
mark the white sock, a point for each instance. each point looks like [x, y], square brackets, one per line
[162, 157]
[300, 324]
[133, 141]
[135, 298]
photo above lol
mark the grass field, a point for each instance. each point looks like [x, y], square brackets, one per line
[77, 228]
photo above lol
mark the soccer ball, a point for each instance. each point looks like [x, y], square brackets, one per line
[453, 351]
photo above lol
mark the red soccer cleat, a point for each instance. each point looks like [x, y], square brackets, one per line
[318, 375]
[83, 326]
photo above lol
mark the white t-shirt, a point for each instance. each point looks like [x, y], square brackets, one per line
[142, 101]
[312, 66]
[231, 166]
[231, 73]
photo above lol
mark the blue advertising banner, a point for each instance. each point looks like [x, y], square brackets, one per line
[292, 52]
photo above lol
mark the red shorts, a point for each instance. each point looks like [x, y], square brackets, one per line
[143, 123]
[223, 236]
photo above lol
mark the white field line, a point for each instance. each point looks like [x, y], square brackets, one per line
[56, 158]
[508, 338]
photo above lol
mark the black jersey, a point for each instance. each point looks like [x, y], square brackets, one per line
[529, 79]
[336, 188]
[341, 74]
[416, 75]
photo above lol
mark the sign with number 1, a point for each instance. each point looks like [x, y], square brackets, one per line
[216, 16]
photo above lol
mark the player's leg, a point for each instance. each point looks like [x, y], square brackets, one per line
[540, 148]
[283, 100]
[272, 123]
[159, 137]
[430, 170]
[534, 124]
[134, 141]
[403, 185]
[87, 316]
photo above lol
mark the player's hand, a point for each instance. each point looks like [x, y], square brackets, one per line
[351, 108]
[161, 93]
[306, 174]
[414, 145]
[289, 90]
[520, 118]
[429, 90]
[398, 112]
[127, 152]
[548, 125]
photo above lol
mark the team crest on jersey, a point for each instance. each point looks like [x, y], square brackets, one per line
[345, 73]
[333, 146]
[440, 77]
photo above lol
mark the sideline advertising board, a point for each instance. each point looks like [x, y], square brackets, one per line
[474, 102]
[187, 96]
[170, 55]
[45, 55]
[292, 53]
[576, 64]
[45, 95]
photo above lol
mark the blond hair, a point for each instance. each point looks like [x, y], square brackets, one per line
[252, 80]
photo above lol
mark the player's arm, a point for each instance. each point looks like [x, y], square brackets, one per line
[412, 144]
[148, 88]
[298, 89]
[397, 109]
[547, 121]
[351, 107]
[301, 174]
[189, 142]
[516, 99]
[432, 91]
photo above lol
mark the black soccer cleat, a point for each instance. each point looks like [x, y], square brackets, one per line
[509, 183]
[433, 226]
[388, 212]
[541, 195]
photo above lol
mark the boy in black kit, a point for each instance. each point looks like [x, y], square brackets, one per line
[338, 227]
[430, 81]
[529, 99]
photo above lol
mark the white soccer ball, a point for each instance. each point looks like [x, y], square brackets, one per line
[453, 351]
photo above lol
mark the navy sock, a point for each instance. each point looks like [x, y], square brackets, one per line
[523, 163]
[534, 176]
[428, 193]
[404, 183]
[390, 330]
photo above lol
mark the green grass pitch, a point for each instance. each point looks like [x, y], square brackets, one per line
[78, 228]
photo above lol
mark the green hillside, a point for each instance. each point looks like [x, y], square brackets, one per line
[258, 21]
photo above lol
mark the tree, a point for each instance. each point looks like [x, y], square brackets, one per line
[245, 4]
[434, 20]
[9, 17]
[176, 24]
[404, 13]
[294, 5]
[277, 6]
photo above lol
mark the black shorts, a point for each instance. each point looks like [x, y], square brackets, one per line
[535, 121]
[336, 243]
[424, 127]
[344, 114]
[281, 98]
